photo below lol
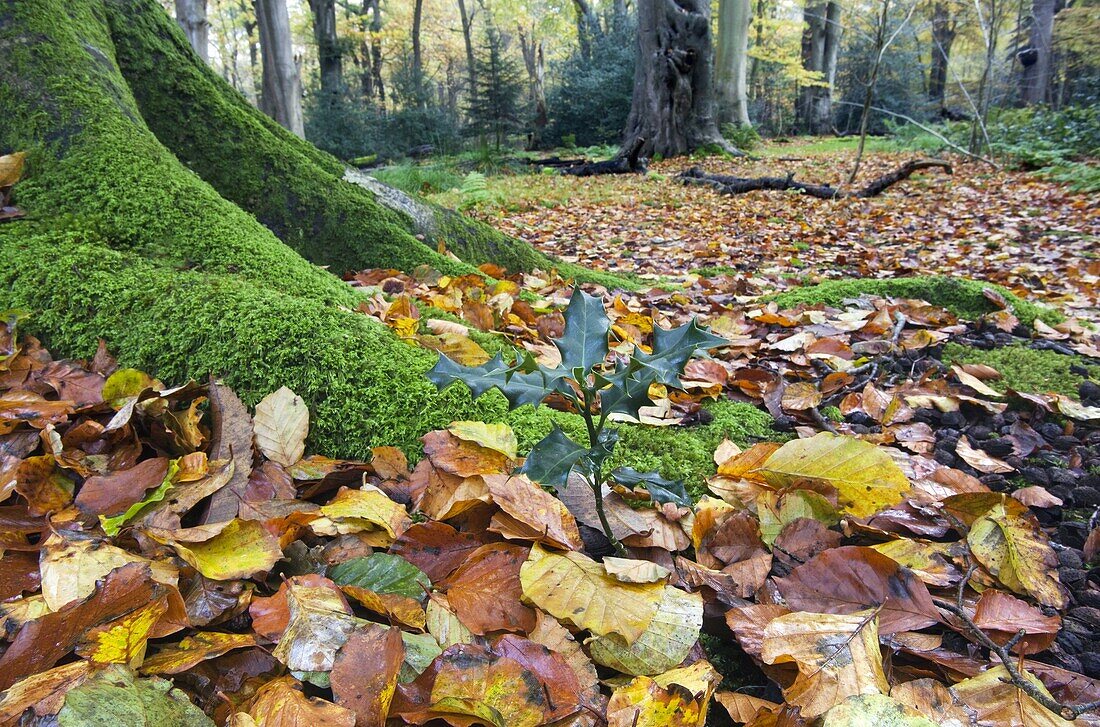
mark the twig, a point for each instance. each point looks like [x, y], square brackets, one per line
[928, 130]
[896, 335]
[1003, 653]
[822, 421]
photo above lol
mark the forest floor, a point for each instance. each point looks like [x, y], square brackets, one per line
[1014, 228]
[889, 514]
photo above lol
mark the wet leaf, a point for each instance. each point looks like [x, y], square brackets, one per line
[665, 642]
[281, 703]
[115, 697]
[241, 549]
[485, 591]
[364, 676]
[576, 589]
[864, 475]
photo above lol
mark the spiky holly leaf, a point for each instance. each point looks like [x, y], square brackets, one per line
[584, 341]
[672, 348]
[628, 391]
[660, 489]
[479, 379]
[553, 458]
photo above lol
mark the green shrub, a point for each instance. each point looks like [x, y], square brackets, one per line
[742, 136]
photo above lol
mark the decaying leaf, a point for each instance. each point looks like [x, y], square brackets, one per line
[280, 425]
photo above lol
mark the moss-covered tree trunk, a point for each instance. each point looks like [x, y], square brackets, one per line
[172, 219]
[148, 180]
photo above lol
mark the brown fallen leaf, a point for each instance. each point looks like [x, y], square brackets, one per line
[364, 676]
[485, 590]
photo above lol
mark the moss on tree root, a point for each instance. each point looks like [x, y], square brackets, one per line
[125, 243]
[961, 296]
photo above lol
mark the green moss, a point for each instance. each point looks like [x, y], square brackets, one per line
[684, 453]
[1024, 369]
[961, 296]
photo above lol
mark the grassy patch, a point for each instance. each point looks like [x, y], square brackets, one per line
[1024, 369]
[961, 296]
[416, 179]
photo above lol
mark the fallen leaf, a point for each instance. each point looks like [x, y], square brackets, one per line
[280, 426]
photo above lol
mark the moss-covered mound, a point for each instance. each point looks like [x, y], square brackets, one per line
[961, 296]
[1025, 369]
[126, 243]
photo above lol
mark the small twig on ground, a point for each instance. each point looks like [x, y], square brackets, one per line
[822, 421]
[1004, 655]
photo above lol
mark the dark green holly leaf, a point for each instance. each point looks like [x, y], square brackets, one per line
[660, 489]
[626, 393]
[672, 348]
[584, 342]
[521, 388]
[478, 378]
[553, 458]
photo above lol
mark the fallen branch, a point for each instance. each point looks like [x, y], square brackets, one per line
[1004, 654]
[629, 163]
[727, 184]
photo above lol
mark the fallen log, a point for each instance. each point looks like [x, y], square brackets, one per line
[727, 184]
[629, 163]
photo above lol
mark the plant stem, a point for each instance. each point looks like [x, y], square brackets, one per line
[597, 480]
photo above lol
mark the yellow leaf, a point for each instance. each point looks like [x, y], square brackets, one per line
[497, 437]
[678, 698]
[280, 426]
[837, 657]
[574, 588]
[1007, 540]
[241, 549]
[71, 564]
[874, 710]
[320, 622]
[1002, 703]
[367, 508]
[865, 476]
[195, 649]
[123, 641]
[663, 645]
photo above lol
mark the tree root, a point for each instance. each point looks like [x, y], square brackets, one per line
[727, 184]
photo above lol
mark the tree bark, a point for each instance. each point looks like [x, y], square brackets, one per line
[534, 62]
[731, 61]
[943, 37]
[468, 40]
[417, 59]
[820, 46]
[588, 27]
[191, 16]
[282, 88]
[1037, 58]
[211, 223]
[376, 51]
[329, 57]
[672, 107]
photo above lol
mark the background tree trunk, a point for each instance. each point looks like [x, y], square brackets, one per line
[329, 57]
[418, 58]
[943, 36]
[672, 108]
[820, 45]
[588, 27]
[731, 61]
[534, 62]
[282, 88]
[468, 39]
[1037, 58]
[191, 16]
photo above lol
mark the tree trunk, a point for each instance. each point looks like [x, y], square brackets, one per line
[417, 59]
[588, 27]
[376, 51]
[869, 92]
[282, 88]
[329, 57]
[1037, 58]
[731, 61]
[943, 36]
[820, 45]
[468, 39]
[191, 16]
[534, 62]
[671, 110]
[127, 131]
